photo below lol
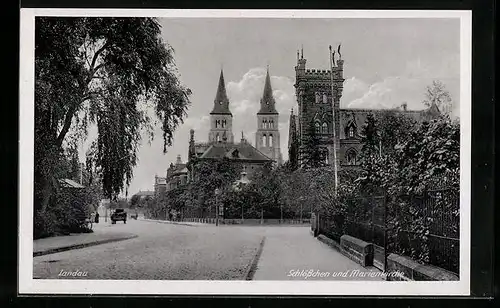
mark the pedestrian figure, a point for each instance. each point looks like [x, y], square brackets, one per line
[96, 217]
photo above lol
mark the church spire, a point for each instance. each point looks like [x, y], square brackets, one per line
[221, 102]
[267, 103]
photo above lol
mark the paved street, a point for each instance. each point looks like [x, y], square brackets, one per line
[198, 252]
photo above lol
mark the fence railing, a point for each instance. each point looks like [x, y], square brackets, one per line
[424, 227]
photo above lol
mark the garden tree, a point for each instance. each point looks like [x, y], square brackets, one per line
[104, 72]
[210, 175]
[370, 152]
[432, 151]
[438, 95]
[293, 153]
[394, 127]
[267, 183]
[312, 157]
[135, 201]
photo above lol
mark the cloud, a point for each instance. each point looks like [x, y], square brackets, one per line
[407, 87]
[245, 95]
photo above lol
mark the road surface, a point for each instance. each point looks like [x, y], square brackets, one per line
[164, 251]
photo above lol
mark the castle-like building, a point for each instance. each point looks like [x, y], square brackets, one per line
[318, 94]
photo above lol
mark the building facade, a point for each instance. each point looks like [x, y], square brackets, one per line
[318, 94]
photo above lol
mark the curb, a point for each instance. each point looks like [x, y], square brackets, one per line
[168, 222]
[79, 246]
[253, 266]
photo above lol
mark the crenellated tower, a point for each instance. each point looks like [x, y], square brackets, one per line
[221, 119]
[318, 100]
[267, 137]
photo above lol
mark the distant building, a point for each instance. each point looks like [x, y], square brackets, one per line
[177, 174]
[143, 194]
[160, 186]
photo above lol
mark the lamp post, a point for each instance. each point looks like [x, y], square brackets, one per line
[217, 192]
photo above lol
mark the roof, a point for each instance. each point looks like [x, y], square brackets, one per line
[358, 116]
[233, 151]
[221, 102]
[267, 103]
[70, 183]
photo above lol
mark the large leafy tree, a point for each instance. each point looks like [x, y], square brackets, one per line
[107, 72]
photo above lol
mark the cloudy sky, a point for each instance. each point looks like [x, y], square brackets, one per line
[387, 62]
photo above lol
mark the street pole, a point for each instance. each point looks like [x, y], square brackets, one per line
[216, 208]
[334, 128]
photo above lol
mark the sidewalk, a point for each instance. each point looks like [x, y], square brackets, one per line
[291, 253]
[56, 244]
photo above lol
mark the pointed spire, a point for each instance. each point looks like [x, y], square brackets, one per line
[302, 51]
[267, 102]
[221, 102]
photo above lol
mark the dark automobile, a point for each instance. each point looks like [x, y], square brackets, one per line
[119, 215]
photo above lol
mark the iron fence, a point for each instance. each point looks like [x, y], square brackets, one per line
[424, 227]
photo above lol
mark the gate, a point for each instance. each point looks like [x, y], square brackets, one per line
[367, 220]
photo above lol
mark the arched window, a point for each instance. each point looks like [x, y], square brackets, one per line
[350, 130]
[217, 123]
[325, 155]
[317, 97]
[224, 123]
[270, 140]
[325, 98]
[316, 125]
[263, 139]
[264, 123]
[271, 123]
[351, 157]
[324, 128]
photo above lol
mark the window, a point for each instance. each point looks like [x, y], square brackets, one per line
[217, 138]
[271, 123]
[270, 140]
[217, 123]
[224, 123]
[351, 157]
[264, 123]
[263, 140]
[325, 98]
[317, 128]
[351, 132]
[324, 128]
[325, 156]
[316, 97]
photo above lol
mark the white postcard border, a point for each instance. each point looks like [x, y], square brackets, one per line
[28, 285]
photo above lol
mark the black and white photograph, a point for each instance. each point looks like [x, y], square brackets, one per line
[245, 152]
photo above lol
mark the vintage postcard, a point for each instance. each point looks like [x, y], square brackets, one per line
[245, 152]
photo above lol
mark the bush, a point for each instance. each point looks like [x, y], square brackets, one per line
[67, 213]
[44, 224]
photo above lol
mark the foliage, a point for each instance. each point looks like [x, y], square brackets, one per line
[311, 154]
[106, 72]
[436, 94]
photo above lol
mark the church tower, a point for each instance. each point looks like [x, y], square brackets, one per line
[221, 119]
[267, 135]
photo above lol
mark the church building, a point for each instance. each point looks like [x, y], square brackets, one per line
[221, 142]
